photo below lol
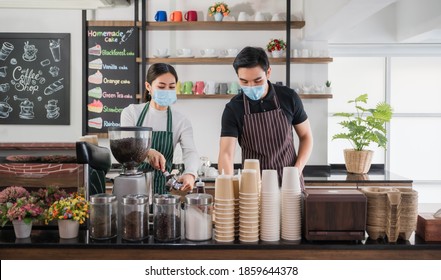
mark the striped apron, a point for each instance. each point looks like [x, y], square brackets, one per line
[267, 136]
[162, 141]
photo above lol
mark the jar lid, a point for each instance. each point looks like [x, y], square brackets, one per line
[200, 184]
[102, 198]
[166, 199]
[199, 198]
[135, 199]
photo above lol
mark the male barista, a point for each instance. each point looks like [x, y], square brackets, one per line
[261, 118]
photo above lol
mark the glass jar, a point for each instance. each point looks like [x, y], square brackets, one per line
[135, 217]
[198, 216]
[166, 217]
[103, 216]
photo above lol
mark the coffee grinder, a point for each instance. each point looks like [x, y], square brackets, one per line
[129, 146]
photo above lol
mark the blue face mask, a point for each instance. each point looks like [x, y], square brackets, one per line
[255, 92]
[164, 97]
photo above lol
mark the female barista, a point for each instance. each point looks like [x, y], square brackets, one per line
[169, 127]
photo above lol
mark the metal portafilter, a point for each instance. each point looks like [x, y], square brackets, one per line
[171, 181]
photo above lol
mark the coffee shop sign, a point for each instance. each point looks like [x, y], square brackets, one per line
[26, 79]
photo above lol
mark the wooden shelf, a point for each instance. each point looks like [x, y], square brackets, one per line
[110, 23]
[222, 25]
[229, 96]
[229, 60]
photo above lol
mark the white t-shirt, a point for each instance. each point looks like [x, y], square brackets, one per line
[157, 120]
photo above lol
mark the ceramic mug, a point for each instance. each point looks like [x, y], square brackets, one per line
[161, 16]
[276, 17]
[184, 52]
[242, 16]
[162, 52]
[221, 88]
[208, 52]
[259, 16]
[191, 16]
[210, 87]
[188, 87]
[199, 87]
[232, 52]
[178, 87]
[234, 88]
[176, 16]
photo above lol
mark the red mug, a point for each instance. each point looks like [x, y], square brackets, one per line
[199, 87]
[191, 16]
[176, 16]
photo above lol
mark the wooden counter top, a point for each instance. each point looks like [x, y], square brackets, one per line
[45, 244]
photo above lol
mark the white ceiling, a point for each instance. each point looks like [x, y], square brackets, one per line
[368, 21]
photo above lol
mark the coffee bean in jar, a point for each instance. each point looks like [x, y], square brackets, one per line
[103, 216]
[166, 218]
[135, 217]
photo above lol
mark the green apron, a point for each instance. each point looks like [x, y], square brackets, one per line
[162, 141]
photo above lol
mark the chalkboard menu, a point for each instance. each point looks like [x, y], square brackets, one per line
[35, 78]
[112, 80]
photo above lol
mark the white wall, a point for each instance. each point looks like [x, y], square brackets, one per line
[48, 21]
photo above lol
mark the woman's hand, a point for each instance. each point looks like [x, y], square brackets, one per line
[187, 181]
[156, 160]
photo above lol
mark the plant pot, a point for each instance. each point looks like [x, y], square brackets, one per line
[22, 229]
[68, 228]
[218, 16]
[277, 54]
[358, 162]
[328, 90]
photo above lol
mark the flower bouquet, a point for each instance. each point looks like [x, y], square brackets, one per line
[24, 209]
[219, 10]
[47, 196]
[74, 207]
[8, 197]
[70, 212]
[276, 45]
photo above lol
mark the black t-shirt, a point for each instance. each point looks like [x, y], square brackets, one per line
[290, 103]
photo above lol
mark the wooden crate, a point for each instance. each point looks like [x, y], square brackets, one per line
[428, 227]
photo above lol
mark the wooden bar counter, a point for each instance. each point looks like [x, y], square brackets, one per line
[45, 244]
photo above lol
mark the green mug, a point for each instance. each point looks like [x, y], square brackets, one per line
[233, 88]
[188, 87]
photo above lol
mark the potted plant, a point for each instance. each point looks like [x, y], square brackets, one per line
[8, 197]
[219, 10]
[70, 212]
[328, 88]
[22, 213]
[276, 47]
[364, 127]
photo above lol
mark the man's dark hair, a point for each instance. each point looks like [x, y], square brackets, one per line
[251, 57]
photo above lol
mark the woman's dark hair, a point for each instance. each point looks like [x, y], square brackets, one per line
[251, 57]
[156, 70]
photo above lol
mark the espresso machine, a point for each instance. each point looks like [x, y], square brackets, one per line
[129, 146]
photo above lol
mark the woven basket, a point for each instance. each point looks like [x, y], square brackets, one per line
[358, 162]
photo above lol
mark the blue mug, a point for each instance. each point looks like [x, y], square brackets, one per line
[161, 16]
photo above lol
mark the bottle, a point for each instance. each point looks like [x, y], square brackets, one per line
[200, 186]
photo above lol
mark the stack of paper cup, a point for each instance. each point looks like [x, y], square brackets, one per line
[248, 207]
[270, 207]
[236, 185]
[254, 164]
[291, 195]
[224, 209]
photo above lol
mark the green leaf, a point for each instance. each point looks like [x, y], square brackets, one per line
[346, 115]
[362, 98]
